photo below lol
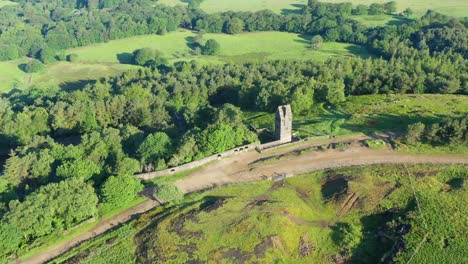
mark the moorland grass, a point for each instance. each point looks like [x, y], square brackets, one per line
[298, 209]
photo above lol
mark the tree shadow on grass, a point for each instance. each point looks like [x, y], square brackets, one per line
[398, 20]
[359, 51]
[303, 39]
[192, 43]
[296, 10]
[75, 85]
[382, 235]
[125, 58]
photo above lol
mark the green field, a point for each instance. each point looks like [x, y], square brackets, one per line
[457, 8]
[59, 73]
[102, 60]
[213, 6]
[301, 221]
[6, 3]
[370, 113]
[246, 47]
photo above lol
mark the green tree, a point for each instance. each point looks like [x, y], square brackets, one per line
[148, 57]
[414, 133]
[120, 190]
[316, 42]
[143, 56]
[335, 92]
[390, 7]
[376, 9]
[155, 147]
[33, 66]
[53, 208]
[10, 239]
[47, 55]
[211, 47]
[360, 10]
[234, 26]
[82, 168]
[408, 12]
[168, 193]
[303, 98]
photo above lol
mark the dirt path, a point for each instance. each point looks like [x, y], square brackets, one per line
[99, 229]
[253, 166]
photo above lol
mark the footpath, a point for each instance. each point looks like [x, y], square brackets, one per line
[253, 166]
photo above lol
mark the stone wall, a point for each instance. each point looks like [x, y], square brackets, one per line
[194, 164]
[191, 165]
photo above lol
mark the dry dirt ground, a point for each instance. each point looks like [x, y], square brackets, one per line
[254, 166]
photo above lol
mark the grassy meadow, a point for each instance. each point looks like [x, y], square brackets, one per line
[63, 74]
[370, 113]
[108, 59]
[301, 221]
[6, 3]
[457, 8]
[246, 47]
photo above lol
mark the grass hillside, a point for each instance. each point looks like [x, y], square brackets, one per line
[6, 3]
[457, 8]
[358, 215]
[370, 113]
[246, 47]
[63, 74]
[107, 59]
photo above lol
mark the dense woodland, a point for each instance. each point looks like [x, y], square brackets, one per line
[82, 146]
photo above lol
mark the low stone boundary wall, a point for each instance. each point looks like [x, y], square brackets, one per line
[191, 165]
[194, 164]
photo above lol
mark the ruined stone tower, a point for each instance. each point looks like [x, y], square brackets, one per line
[283, 124]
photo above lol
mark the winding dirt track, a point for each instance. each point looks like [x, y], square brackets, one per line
[249, 166]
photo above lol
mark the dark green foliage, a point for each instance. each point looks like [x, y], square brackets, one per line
[211, 47]
[72, 57]
[47, 55]
[221, 137]
[149, 57]
[452, 131]
[117, 191]
[155, 147]
[414, 133]
[10, 239]
[168, 193]
[234, 26]
[54, 207]
[33, 66]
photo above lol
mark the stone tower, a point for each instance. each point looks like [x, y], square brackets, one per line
[283, 124]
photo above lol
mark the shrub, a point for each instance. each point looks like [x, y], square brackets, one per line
[120, 190]
[33, 66]
[168, 193]
[211, 47]
[72, 57]
[347, 236]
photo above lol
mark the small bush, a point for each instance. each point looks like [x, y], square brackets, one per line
[72, 57]
[168, 193]
[33, 66]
